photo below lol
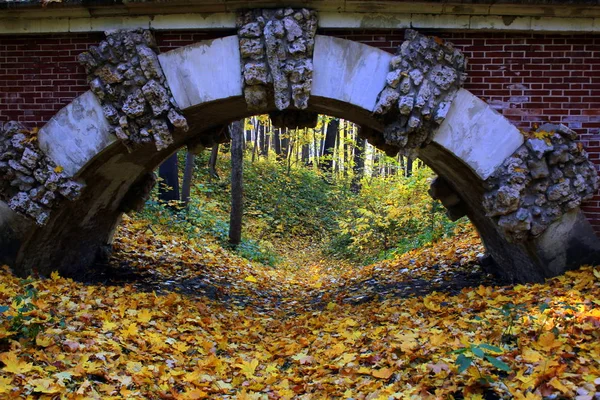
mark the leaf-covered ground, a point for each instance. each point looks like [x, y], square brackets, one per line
[173, 319]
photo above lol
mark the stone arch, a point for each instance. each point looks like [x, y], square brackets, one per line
[467, 150]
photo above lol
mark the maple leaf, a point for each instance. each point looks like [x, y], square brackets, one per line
[58, 169]
[250, 278]
[45, 386]
[144, 316]
[547, 341]
[13, 364]
[248, 368]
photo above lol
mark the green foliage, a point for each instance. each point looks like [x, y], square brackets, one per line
[22, 316]
[256, 251]
[475, 354]
[298, 202]
[391, 215]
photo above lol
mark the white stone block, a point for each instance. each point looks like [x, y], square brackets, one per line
[477, 134]
[203, 72]
[194, 21]
[348, 71]
[76, 134]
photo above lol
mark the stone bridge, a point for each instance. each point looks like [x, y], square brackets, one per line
[64, 188]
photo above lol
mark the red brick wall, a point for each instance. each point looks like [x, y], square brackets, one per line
[530, 78]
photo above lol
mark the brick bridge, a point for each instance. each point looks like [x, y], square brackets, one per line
[63, 188]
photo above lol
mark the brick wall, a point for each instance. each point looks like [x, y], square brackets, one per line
[530, 78]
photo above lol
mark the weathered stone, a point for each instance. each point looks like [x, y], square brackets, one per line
[387, 98]
[30, 158]
[298, 46]
[538, 169]
[416, 76]
[506, 201]
[549, 180]
[126, 76]
[149, 62]
[393, 78]
[539, 147]
[559, 190]
[97, 88]
[278, 56]
[162, 135]
[250, 30]
[109, 74]
[251, 48]
[157, 97]
[518, 223]
[560, 154]
[256, 73]
[406, 104]
[176, 119]
[292, 28]
[134, 105]
[444, 77]
[256, 97]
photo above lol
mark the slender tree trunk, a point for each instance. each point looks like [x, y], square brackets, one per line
[277, 142]
[188, 174]
[409, 166]
[329, 145]
[359, 163]
[263, 140]
[237, 195]
[285, 145]
[169, 187]
[212, 163]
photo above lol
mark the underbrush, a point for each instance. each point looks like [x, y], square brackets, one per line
[389, 216]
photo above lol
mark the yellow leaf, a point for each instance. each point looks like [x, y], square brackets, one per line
[43, 341]
[108, 326]
[556, 384]
[248, 368]
[58, 169]
[44, 386]
[144, 316]
[6, 385]
[383, 373]
[13, 364]
[250, 278]
[547, 341]
[531, 356]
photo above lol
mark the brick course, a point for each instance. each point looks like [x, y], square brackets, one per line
[530, 78]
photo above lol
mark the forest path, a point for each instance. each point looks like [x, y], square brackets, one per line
[305, 279]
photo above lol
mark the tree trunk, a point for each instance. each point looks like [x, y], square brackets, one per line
[409, 166]
[188, 174]
[237, 196]
[329, 146]
[285, 145]
[212, 163]
[262, 139]
[359, 163]
[168, 190]
[277, 142]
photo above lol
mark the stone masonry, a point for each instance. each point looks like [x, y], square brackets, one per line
[549, 175]
[276, 47]
[125, 74]
[30, 182]
[424, 76]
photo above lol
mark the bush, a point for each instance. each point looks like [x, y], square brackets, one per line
[391, 215]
